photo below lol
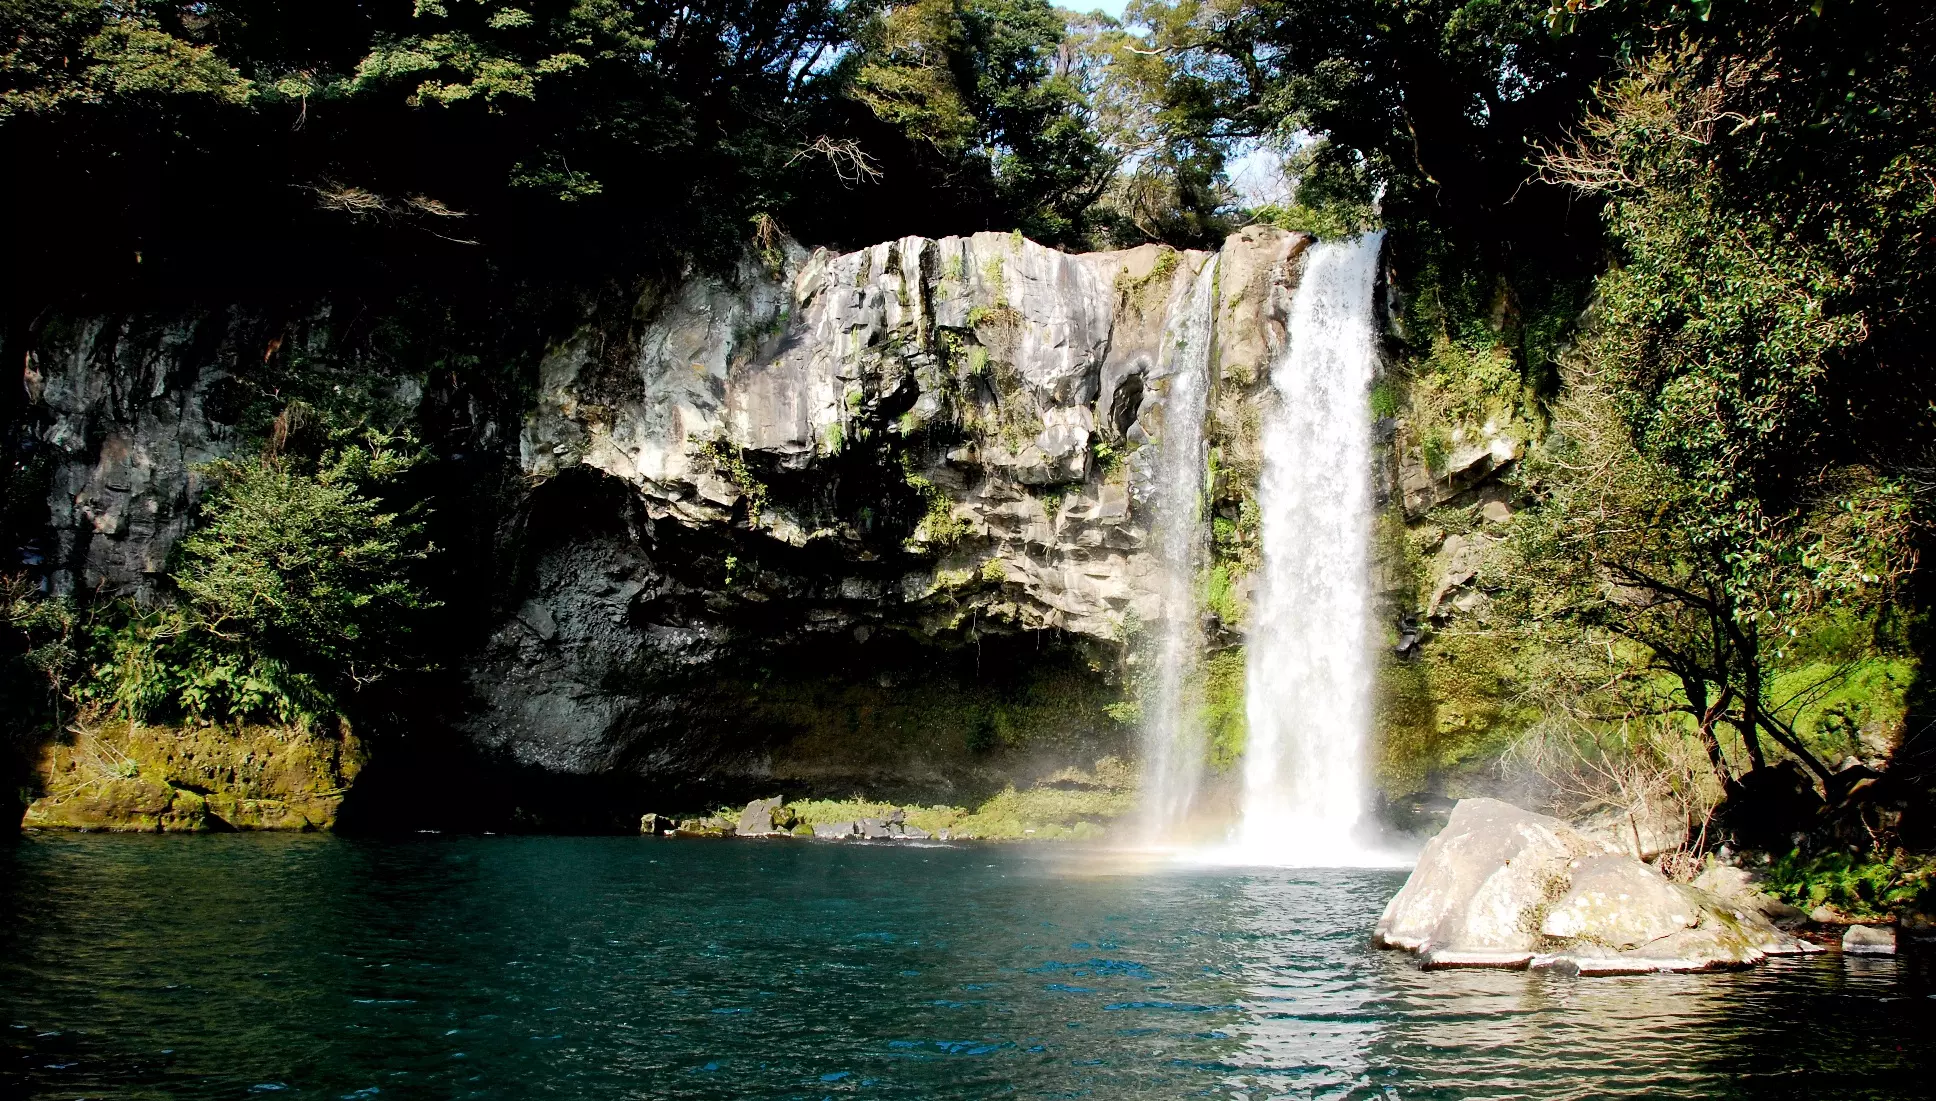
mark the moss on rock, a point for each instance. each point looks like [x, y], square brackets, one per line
[142, 778]
[1072, 803]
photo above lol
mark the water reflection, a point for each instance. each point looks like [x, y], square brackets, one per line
[1311, 1014]
[609, 968]
[1456, 1034]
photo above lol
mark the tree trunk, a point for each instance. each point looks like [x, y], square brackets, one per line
[1750, 646]
[1706, 716]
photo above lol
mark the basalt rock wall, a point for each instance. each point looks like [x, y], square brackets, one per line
[873, 518]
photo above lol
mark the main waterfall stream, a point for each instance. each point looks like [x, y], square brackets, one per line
[1308, 675]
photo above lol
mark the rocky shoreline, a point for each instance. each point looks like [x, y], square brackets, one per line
[774, 817]
[1503, 887]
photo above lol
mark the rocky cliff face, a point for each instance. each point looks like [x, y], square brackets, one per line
[827, 518]
[923, 443]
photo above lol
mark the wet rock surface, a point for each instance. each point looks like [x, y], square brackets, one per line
[1504, 887]
[762, 818]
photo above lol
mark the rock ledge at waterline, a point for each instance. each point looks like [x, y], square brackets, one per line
[1504, 887]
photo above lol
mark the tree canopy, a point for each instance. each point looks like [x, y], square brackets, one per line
[226, 145]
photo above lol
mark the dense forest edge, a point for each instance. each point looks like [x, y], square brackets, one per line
[1680, 248]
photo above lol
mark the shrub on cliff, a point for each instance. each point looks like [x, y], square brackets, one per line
[295, 592]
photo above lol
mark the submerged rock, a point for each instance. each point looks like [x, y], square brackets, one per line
[1504, 887]
[1869, 940]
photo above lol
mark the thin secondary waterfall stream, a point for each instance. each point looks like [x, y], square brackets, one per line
[1172, 736]
[1308, 667]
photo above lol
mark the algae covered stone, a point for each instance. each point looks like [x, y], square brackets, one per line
[188, 777]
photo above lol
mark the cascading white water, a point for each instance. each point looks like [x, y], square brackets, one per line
[1172, 736]
[1308, 668]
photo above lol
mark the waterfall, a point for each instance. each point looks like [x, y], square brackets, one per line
[1172, 734]
[1308, 668]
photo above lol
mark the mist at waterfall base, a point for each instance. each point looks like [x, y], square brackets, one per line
[1302, 802]
[593, 968]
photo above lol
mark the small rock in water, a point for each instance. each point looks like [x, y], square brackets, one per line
[653, 825]
[712, 826]
[914, 833]
[834, 831]
[875, 829]
[1869, 940]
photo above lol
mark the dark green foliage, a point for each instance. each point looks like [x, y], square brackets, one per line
[1759, 343]
[1860, 886]
[1336, 193]
[436, 129]
[294, 593]
[1426, 104]
[268, 146]
[975, 85]
[40, 643]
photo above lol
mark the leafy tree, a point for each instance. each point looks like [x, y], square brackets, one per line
[1760, 340]
[1432, 101]
[1168, 184]
[572, 139]
[986, 94]
[68, 53]
[295, 593]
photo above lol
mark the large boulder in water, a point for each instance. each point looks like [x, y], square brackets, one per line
[1504, 887]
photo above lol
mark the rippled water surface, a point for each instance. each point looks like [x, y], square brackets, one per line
[326, 967]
